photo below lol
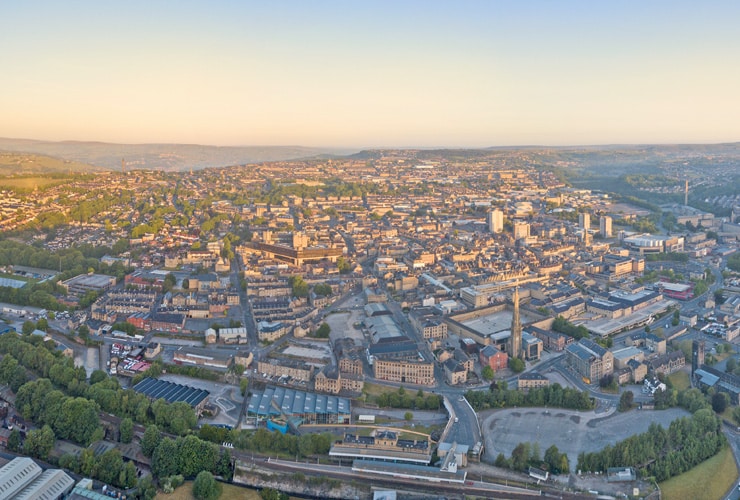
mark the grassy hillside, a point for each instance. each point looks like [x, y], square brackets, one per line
[28, 163]
[708, 480]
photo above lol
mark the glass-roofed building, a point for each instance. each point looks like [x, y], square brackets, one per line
[299, 407]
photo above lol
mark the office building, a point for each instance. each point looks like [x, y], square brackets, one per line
[605, 226]
[496, 221]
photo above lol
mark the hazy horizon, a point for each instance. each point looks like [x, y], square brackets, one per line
[414, 74]
[376, 147]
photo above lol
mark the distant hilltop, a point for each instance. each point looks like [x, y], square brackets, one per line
[91, 156]
[28, 156]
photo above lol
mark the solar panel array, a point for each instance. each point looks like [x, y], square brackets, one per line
[171, 392]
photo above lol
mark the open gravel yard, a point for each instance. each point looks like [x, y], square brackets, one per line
[571, 431]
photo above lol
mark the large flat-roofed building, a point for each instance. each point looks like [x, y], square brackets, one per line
[270, 331]
[680, 291]
[491, 325]
[623, 356]
[83, 283]
[294, 256]
[23, 479]
[305, 407]
[173, 393]
[648, 243]
[233, 335]
[331, 379]
[286, 367]
[589, 359]
[429, 325]
[532, 380]
[203, 357]
[418, 371]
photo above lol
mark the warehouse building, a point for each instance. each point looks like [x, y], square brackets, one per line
[22, 478]
[83, 283]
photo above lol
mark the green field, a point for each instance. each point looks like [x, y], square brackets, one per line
[35, 166]
[680, 380]
[375, 390]
[707, 481]
[28, 182]
[185, 492]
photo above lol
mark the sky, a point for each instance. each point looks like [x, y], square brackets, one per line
[371, 74]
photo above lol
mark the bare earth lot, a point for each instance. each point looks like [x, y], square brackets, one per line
[571, 431]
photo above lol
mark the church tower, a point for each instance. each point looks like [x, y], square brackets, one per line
[515, 341]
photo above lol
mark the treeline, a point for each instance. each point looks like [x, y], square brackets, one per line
[669, 257]
[43, 359]
[662, 453]
[403, 399]
[553, 395]
[562, 325]
[189, 455]
[158, 367]
[264, 441]
[527, 455]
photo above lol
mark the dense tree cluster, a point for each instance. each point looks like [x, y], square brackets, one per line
[344, 265]
[12, 373]
[109, 467]
[322, 289]
[526, 455]
[264, 441]
[72, 418]
[299, 286]
[205, 487]
[662, 453]
[625, 401]
[185, 455]
[323, 331]
[562, 325]
[733, 262]
[103, 392]
[554, 395]
[667, 257]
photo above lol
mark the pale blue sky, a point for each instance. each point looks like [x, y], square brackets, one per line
[371, 74]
